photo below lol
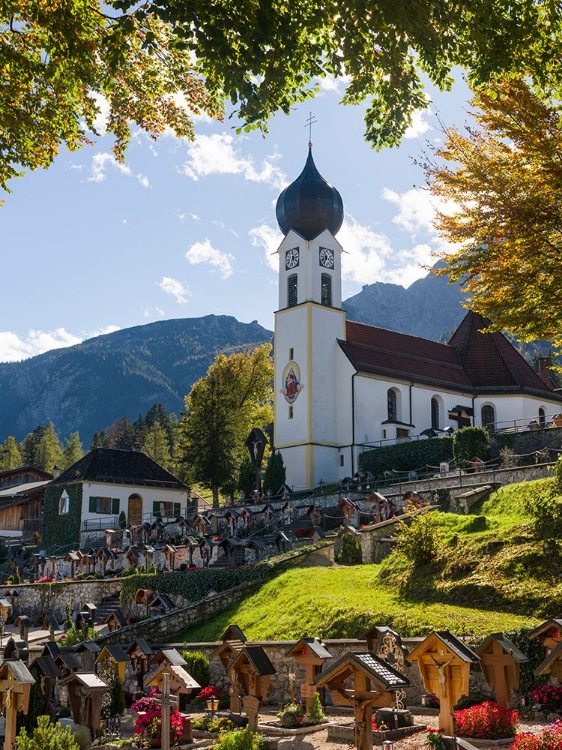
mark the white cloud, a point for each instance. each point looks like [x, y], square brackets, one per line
[204, 252]
[216, 154]
[416, 209]
[175, 288]
[153, 312]
[100, 122]
[366, 252]
[419, 126]
[99, 165]
[269, 240]
[14, 348]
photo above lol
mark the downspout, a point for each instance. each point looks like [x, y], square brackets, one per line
[353, 424]
[411, 386]
[473, 412]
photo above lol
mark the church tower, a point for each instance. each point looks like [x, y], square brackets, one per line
[308, 324]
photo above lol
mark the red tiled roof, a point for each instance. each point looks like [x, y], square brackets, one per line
[471, 361]
[383, 352]
[490, 361]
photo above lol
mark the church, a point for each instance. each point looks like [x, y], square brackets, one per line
[342, 387]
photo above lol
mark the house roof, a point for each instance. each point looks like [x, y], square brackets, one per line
[470, 362]
[489, 360]
[113, 466]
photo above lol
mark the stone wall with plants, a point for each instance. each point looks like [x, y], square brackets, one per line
[39, 599]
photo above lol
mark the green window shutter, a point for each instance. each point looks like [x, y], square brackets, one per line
[93, 505]
[115, 506]
[177, 509]
[155, 507]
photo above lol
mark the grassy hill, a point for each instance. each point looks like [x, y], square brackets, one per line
[489, 572]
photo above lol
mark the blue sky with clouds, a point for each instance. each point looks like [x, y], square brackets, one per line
[186, 229]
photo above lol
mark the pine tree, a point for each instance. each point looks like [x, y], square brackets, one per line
[29, 446]
[157, 446]
[100, 440]
[72, 450]
[124, 434]
[49, 450]
[246, 475]
[10, 455]
[275, 473]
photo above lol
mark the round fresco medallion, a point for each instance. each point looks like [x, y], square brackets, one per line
[291, 382]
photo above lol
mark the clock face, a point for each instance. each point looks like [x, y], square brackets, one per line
[326, 257]
[292, 258]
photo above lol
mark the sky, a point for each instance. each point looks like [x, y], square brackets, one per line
[185, 229]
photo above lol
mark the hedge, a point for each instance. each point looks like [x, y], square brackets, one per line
[410, 456]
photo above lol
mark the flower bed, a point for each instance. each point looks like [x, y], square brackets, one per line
[547, 695]
[487, 721]
[549, 739]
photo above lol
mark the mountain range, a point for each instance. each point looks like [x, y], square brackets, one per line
[89, 386]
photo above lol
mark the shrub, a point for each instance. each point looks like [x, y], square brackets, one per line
[47, 736]
[546, 509]
[350, 551]
[197, 665]
[316, 714]
[240, 740]
[117, 707]
[486, 721]
[83, 736]
[209, 692]
[470, 442]
[122, 520]
[419, 539]
[407, 456]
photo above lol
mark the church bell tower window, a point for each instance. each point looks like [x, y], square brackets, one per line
[292, 289]
[326, 290]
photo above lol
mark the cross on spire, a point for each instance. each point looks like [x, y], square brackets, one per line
[309, 123]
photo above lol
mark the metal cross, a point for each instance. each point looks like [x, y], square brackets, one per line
[309, 123]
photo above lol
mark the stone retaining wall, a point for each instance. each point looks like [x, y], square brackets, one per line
[39, 599]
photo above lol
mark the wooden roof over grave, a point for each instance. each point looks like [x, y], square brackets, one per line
[256, 541]
[451, 642]
[142, 645]
[546, 664]
[162, 600]
[233, 634]
[113, 466]
[367, 662]
[50, 649]
[169, 655]
[46, 666]
[507, 646]
[18, 670]
[91, 646]
[50, 621]
[546, 628]
[68, 660]
[90, 680]
[117, 652]
[256, 657]
[310, 645]
[178, 675]
[375, 635]
[118, 616]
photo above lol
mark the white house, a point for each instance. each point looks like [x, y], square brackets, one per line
[341, 386]
[93, 492]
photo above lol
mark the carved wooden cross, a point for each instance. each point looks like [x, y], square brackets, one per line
[166, 701]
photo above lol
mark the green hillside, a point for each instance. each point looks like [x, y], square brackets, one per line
[491, 571]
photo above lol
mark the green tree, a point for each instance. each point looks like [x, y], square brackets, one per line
[503, 178]
[246, 475]
[73, 451]
[37, 703]
[123, 434]
[47, 736]
[100, 440]
[117, 707]
[156, 445]
[42, 448]
[275, 473]
[29, 446]
[10, 455]
[261, 57]
[221, 409]
[419, 539]
[469, 443]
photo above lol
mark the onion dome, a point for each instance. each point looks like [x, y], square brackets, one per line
[309, 204]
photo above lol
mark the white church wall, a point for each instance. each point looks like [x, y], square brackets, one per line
[515, 408]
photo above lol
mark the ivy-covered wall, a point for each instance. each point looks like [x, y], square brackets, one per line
[59, 530]
[193, 585]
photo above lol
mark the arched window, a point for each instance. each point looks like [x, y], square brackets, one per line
[292, 289]
[326, 290]
[435, 414]
[488, 416]
[542, 417]
[392, 402]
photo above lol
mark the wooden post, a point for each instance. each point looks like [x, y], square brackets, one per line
[166, 701]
